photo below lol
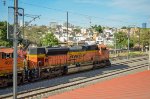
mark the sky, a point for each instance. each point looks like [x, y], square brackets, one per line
[112, 13]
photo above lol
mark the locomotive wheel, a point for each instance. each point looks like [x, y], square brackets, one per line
[94, 65]
[108, 64]
[3, 83]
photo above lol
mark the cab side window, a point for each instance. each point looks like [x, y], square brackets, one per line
[3, 55]
[0, 55]
[103, 48]
[7, 55]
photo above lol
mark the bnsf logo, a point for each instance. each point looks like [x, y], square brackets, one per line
[76, 56]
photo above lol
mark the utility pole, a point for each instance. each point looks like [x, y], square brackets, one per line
[115, 47]
[23, 25]
[90, 21]
[139, 39]
[149, 55]
[115, 42]
[128, 42]
[67, 28]
[15, 41]
[90, 28]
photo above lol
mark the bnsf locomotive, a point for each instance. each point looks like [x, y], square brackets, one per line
[47, 62]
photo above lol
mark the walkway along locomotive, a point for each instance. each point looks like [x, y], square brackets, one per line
[47, 62]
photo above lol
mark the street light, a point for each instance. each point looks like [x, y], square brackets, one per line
[128, 42]
[115, 43]
[149, 56]
[139, 39]
[115, 47]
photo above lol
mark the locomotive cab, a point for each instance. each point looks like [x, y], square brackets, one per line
[6, 60]
[102, 49]
[0, 55]
[6, 53]
[36, 57]
[104, 54]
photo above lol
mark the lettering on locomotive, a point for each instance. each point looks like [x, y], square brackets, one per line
[76, 56]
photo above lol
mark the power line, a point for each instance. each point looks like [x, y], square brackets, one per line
[43, 7]
[60, 10]
[31, 16]
[76, 13]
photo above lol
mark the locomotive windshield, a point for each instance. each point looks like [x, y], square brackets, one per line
[103, 48]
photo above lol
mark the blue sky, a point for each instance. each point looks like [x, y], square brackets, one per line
[114, 13]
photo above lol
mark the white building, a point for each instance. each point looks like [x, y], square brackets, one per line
[53, 24]
[107, 37]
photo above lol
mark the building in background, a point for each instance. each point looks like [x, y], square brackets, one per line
[144, 25]
[53, 24]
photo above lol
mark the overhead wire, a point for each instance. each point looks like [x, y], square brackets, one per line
[76, 13]
[79, 14]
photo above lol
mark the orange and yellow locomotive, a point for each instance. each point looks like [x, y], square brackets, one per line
[46, 62]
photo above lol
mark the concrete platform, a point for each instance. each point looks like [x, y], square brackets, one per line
[135, 86]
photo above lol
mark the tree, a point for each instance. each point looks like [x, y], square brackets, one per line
[49, 40]
[3, 35]
[145, 36]
[33, 33]
[76, 31]
[98, 28]
[124, 27]
[122, 40]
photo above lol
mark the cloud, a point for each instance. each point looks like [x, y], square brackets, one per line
[132, 5]
[120, 18]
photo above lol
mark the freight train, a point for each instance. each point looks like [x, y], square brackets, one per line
[47, 62]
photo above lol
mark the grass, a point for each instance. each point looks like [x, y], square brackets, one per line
[131, 54]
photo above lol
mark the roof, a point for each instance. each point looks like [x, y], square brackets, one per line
[10, 50]
[135, 86]
[6, 50]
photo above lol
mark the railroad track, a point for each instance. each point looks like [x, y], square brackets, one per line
[42, 92]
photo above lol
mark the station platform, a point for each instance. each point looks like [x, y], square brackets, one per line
[135, 86]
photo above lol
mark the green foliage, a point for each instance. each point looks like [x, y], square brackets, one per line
[77, 30]
[145, 37]
[135, 39]
[49, 40]
[97, 28]
[124, 27]
[3, 35]
[131, 43]
[110, 46]
[34, 33]
[122, 40]
[136, 53]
